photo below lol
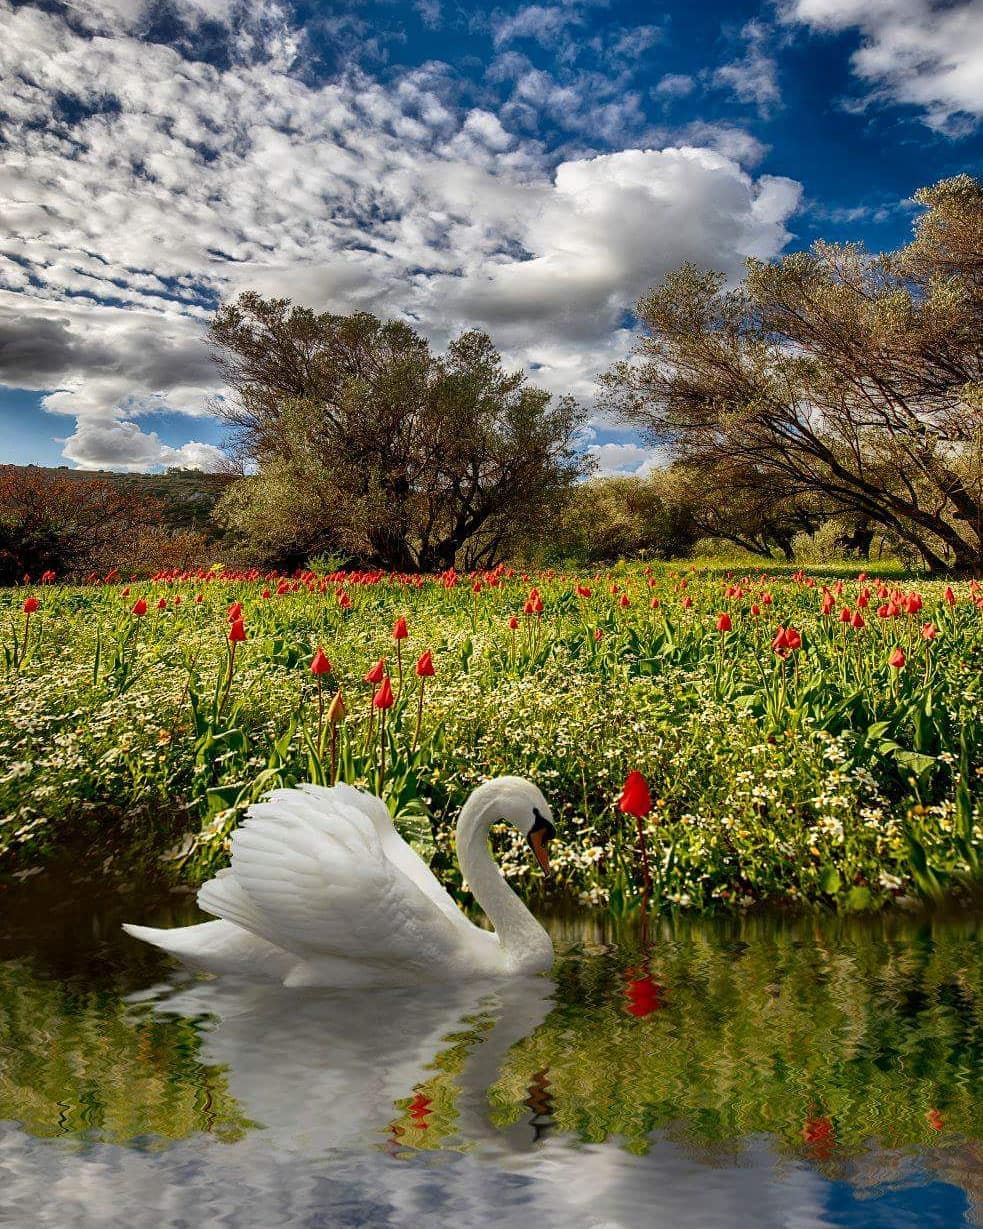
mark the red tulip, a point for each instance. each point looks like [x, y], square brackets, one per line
[723, 622]
[384, 698]
[929, 631]
[162, 604]
[845, 615]
[139, 607]
[30, 605]
[635, 797]
[399, 629]
[897, 659]
[598, 634]
[513, 624]
[377, 673]
[949, 596]
[687, 602]
[237, 632]
[625, 600]
[654, 603]
[424, 666]
[857, 621]
[235, 612]
[320, 663]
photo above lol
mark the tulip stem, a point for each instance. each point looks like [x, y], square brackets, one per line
[419, 716]
[382, 749]
[334, 753]
[228, 677]
[320, 717]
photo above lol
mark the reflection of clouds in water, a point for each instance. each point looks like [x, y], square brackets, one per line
[321, 1073]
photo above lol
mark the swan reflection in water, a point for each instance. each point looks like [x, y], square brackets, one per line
[373, 1108]
[323, 1069]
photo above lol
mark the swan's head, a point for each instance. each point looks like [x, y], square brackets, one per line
[521, 804]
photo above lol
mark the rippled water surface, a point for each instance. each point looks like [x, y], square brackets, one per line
[734, 1073]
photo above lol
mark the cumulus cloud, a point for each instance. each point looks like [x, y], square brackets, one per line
[178, 183]
[118, 444]
[623, 460]
[925, 53]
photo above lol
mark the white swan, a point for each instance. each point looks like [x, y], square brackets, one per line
[323, 891]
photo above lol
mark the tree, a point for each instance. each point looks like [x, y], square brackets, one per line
[364, 441]
[848, 380]
[73, 526]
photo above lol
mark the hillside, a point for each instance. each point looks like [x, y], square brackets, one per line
[187, 495]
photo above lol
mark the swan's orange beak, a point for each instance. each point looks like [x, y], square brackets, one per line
[538, 843]
[540, 835]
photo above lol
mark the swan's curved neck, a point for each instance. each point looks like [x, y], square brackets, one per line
[518, 931]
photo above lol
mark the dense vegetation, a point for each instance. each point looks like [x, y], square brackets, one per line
[804, 739]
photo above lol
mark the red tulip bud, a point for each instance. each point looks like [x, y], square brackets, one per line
[424, 667]
[399, 629]
[635, 797]
[320, 663]
[237, 632]
[377, 673]
[383, 698]
[139, 607]
[723, 622]
[897, 659]
[30, 605]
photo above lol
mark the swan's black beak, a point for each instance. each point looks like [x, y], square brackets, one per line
[540, 835]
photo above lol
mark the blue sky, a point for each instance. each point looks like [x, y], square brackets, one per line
[525, 168]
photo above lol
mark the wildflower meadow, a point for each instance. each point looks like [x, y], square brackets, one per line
[799, 737]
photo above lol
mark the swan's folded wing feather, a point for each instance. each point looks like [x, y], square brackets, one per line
[311, 876]
[394, 847]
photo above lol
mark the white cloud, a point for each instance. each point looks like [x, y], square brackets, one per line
[118, 444]
[675, 85]
[754, 76]
[623, 459]
[184, 183]
[924, 53]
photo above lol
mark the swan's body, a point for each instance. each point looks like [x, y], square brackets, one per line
[322, 890]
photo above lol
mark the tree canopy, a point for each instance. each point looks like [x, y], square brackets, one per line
[833, 380]
[365, 442]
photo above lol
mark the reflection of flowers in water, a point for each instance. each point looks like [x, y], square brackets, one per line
[643, 994]
[540, 1101]
[819, 1135]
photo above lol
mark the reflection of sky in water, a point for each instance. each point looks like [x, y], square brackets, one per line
[331, 1082]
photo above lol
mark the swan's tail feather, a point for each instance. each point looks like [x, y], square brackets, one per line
[218, 947]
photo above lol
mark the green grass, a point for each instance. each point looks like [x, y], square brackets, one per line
[827, 776]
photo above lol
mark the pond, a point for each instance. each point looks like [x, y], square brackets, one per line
[755, 1071]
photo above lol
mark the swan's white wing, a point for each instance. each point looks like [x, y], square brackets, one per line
[309, 873]
[398, 852]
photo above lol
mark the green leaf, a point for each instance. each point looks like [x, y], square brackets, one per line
[830, 880]
[858, 898]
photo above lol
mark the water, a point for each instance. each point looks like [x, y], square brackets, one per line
[737, 1073]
